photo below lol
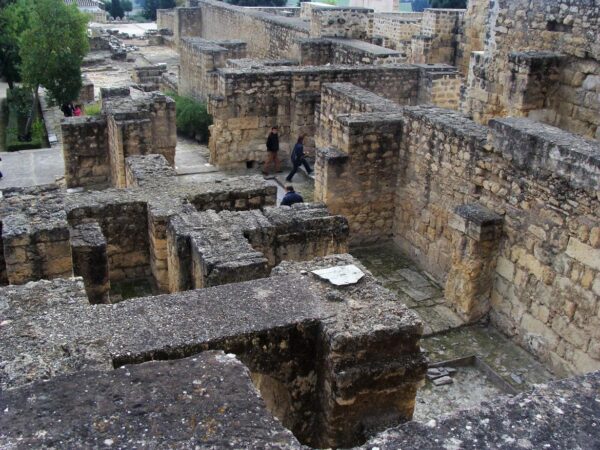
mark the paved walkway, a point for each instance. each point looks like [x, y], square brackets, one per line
[31, 167]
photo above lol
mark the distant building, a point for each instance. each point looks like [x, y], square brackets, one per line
[91, 7]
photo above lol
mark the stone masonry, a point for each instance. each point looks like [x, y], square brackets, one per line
[95, 148]
[537, 276]
[332, 352]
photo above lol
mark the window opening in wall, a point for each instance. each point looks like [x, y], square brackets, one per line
[553, 25]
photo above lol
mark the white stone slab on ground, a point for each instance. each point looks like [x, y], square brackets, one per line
[340, 275]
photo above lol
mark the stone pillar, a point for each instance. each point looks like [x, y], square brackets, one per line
[369, 378]
[90, 260]
[475, 235]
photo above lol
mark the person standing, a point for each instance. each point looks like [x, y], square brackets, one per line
[272, 151]
[291, 196]
[77, 111]
[298, 159]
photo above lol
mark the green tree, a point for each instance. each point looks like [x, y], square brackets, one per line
[460, 4]
[52, 50]
[116, 10]
[127, 5]
[14, 18]
[150, 7]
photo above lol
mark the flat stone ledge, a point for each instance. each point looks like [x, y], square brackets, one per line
[206, 401]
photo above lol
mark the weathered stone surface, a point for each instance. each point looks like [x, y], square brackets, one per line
[367, 342]
[562, 414]
[207, 400]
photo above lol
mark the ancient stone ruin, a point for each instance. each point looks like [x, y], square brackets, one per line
[438, 288]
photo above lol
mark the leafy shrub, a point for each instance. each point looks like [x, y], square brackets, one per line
[93, 109]
[192, 117]
[19, 107]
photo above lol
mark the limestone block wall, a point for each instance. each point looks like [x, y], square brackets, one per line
[35, 236]
[250, 102]
[438, 37]
[543, 292]
[539, 276]
[85, 151]
[473, 34]
[124, 224]
[572, 101]
[209, 249]
[199, 60]
[95, 148]
[397, 30]
[165, 19]
[267, 35]
[354, 23]
[90, 260]
[440, 86]
[306, 9]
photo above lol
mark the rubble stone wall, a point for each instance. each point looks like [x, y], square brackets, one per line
[85, 151]
[438, 37]
[570, 96]
[353, 23]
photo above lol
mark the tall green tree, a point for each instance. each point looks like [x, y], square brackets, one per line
[14, 18]
[150, 7]
[460, 4]
[116, 10]
[52, 50]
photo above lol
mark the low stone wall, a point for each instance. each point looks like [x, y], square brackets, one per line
[85, 152]
[317, 52]
[440, 85]
[267, 35]
[275, 326]
[250, 101]
[165, 19]
[209, 249]
[95, 148]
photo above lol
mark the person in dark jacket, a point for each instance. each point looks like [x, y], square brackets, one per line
[291, 196]
[272, 150]
[298, 159]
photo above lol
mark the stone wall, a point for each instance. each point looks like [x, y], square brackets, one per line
[538, 277]
[353, 23]
[316, 52]
[343, 361]
[165, 19]
[85, 152]
[565, 93]
[397, 30]
[210, 249]
[250, 101]
[95, 148]
[439, 85]
[473, 32]
[267, 35]
[438, 37]
[199, 60]
[35, 237]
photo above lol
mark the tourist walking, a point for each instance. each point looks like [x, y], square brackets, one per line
[298, 159]
[272, 151]
[67, 109]
[291, 196]
[77, 111]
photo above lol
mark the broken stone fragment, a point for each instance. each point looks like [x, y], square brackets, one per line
[442, 381]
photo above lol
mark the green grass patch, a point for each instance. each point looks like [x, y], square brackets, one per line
[93, 109]
[193, 119]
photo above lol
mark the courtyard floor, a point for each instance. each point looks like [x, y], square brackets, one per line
[500, 367]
